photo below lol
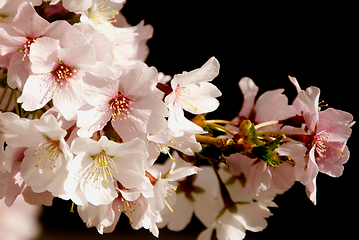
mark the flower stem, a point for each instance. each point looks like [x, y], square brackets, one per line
[3, 93]
[264, 124]
[218, 142]
[8, 102]
[227, 200]
[271, 132]
[220, 121]
[220, 128]
[16, 104]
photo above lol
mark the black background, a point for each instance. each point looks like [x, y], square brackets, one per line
[315, 44]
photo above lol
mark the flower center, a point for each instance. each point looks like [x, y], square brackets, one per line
[47, 151]
[63, 74]
[102, 167]
[120, 106]
[26, 48]
[321, 141]
[102, 13]
[182, 94]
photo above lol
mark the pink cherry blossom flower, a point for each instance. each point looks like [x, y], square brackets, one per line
[128, 53]
[126, 41]
[194, 194]
[164, 176]
[260, 176]
[131, 202]
[44, 166]
[271, 105]
[8, 8]
[103, 217]
[16, 39]
[248, 212]
[6, 155]
[193, 92]
[179, 140]
[18, 36]
[57, 74]
[327, 135]
[129, 101]
[84, 5]
[98, 166]
[140, 213]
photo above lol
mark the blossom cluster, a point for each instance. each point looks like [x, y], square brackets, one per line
[85, 119]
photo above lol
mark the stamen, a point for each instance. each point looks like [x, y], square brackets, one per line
[120, 106]
[63, 74]
[102, 167]
[181, 93]
[49, 150]
[26, 48]
[321, 104]
[128, 207]
[72, 207]
[322, 143]
[169, 207]
[104, 14]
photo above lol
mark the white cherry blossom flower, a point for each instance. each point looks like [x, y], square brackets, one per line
[57, 76]
[98, 166]
[248, 211]
[44, 166]
[193, 92]
[179, 140]
[129, 101]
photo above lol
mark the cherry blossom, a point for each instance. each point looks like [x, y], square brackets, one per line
[193, 195]
[44, 166]
[179, 140]
[16, 39]
[328, 132]
[129, 101]
[269, 106]
[86, 119]
[192, 92]
[98, 166]
[247, 211]
[57, 74]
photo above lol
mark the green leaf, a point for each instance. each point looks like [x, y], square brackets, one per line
[266, 152]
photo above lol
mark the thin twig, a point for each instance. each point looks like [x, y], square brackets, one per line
[220, 121]
[264, 124]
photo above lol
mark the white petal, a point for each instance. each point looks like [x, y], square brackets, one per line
[44, 55]
[204, 74]
[252, 216]
[249, 90]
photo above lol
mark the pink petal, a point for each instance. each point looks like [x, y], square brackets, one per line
[78, 56]
[10, 39]
[18, 70]
[336, 123]
[139, 81]
[68, 35]
[44, 55]
[334, 169]
[310, 99]
[249, 91]
[28, 23]
[273, 105]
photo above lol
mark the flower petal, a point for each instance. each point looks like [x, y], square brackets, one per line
[28, 22]
[249, 90]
